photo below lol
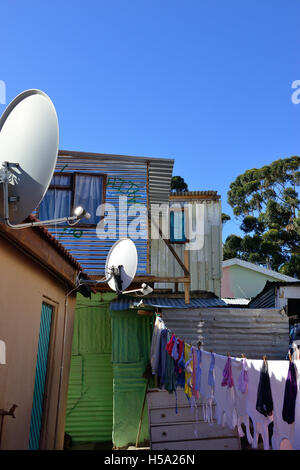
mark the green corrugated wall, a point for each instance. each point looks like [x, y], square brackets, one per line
[131, 343]
[89, 415]
[110, 351]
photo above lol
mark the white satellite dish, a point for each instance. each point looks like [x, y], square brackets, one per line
[29, 138]
[121, 263]
[120, 269]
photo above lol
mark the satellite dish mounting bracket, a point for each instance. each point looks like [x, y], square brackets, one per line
[5, 178]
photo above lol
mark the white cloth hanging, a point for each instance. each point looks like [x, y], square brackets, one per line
[207, 386]
[159, 325]
[239, 366]
[224, 396]
[278, 371]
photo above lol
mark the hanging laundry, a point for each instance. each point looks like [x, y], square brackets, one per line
[188, 370]
[227, 374]
[199, 371]
[155, 344]
[208, 417]
[195, 390]
[214, 376]
[225, 392]
[279, 371]
[211, 372]
[290, 394]
[264, 401]
[294, 351]
[243, 378]
[240, 376]
[170, 344]
[180, 365]
[170, 379]
[161, 368]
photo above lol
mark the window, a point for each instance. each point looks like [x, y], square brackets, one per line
[177, 226]
[70, 190]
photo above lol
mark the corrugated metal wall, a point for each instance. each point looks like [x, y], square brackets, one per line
[254, 332]
[89, 415]
[205, 263]
[266, 300]
[89, 250]
[131, 337]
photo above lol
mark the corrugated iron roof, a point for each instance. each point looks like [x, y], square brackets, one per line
[256, 267]
[268, 292]
[125, 303]
[160, 171]
[195, 194]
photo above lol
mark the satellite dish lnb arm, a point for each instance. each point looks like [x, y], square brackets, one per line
[4, 180]
[29, 224]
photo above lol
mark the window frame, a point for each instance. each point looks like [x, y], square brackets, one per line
[185, 215]
[72, 188]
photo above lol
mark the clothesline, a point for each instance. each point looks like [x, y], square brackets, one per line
[239, 388]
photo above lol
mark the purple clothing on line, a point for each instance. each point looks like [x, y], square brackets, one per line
[227, 375]
[243, 378]
[290, 394]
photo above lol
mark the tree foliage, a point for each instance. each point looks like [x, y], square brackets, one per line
[267, 202]
[178, 184]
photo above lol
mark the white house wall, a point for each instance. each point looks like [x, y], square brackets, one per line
[286, 292]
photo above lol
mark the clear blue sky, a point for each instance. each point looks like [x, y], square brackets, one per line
[206, 82]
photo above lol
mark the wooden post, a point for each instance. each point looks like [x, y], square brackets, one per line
[187, 284]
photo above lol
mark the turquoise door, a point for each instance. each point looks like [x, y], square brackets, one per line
[40, 377]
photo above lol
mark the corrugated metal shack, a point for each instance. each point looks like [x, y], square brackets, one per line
[142, 180]
[205, 261]
[112, 341]
[276, 294]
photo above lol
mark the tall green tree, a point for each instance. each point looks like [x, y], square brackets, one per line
[178, 184]
[266, 200]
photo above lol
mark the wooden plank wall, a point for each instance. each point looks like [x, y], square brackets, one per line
[186, 429]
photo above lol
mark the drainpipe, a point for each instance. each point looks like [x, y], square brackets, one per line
[61, 366]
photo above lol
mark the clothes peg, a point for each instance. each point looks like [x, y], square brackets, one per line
[265, 359]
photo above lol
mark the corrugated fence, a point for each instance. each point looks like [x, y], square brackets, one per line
[254, 332]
